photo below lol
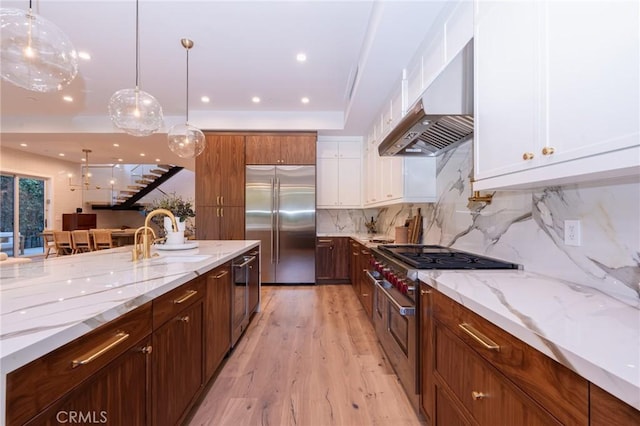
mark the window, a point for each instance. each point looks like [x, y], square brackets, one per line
[22, 215]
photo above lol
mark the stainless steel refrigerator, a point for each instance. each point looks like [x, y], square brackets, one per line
[281, 213]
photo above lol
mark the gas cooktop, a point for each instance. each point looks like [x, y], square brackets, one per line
[438, 257]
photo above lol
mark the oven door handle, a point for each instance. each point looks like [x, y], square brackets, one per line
[405, 311]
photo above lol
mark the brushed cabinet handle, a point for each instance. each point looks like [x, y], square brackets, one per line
[425, 292]
[325, 241]
[528, 156]
[147, 349]
[184, 319]
[547, 150]
[222, 200]
[221, 274]
[100, 350]
[486, 342]
[222, 212]
[218, 200]
[188, 295]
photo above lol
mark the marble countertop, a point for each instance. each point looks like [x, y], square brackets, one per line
[44, 305]
[589, 332]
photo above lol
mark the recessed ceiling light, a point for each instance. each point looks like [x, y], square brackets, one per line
[23, 144]
[67, 98]
[305, 100]
[301, 57]
[116, 144]
[84, 55]
[61, 154]
[157, 160]
[142, 154]
[205, 99]
[120, 159]
[255, 100]
[83, 159]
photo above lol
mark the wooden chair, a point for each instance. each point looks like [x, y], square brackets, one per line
[49, 243]
[63, 242]
[81, 241]
[102, 239]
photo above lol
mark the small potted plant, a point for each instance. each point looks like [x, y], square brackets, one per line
[181, 209]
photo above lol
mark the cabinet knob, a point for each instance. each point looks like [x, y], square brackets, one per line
[527, 156]
[147, 349]
[547, 150]
[425, 292]
[185, 318]
[478, 395]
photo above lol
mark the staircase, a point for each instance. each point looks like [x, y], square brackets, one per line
[127, 198]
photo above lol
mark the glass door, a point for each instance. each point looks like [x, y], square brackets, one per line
[22, 215]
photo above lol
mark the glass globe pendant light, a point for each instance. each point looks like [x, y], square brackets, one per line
[36, 54]
[133, 110]
[185, 140]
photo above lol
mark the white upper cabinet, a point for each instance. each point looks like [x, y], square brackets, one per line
[338, 173]
[557, 92]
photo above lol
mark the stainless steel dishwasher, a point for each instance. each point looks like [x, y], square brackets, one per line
[240, 304]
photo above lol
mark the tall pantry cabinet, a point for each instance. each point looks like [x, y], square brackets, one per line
[220, 172]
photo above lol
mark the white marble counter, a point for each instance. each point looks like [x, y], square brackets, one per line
[589, 332]
[44, 305]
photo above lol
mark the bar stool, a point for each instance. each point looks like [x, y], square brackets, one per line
[102, 239]
[63, 242]
[81, 241]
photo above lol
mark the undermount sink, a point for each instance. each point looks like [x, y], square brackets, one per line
[181, 259]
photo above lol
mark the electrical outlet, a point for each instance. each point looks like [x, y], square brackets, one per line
[572, 232]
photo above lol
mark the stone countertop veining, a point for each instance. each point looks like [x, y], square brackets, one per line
[44, 305]
[587, 331]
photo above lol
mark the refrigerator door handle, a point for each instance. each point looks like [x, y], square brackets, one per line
[277, 197]
[273, 194]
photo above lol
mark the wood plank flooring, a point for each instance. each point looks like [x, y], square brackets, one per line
[309, 358]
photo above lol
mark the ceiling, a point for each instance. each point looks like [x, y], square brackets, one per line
[355, 54]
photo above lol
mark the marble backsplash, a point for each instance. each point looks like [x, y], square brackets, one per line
[525, 227]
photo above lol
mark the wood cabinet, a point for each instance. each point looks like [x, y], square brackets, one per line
[177, 373]
[607, 410]
[555, 102]
[281, 149]
[339, 173]
[354, 265]
[90, 373]
[480, 374]
[220, 187]
[217, 325]
[332, 260]
[362, 285]
[82, 221]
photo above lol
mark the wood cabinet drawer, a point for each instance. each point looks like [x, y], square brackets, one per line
[487, 395]
[170, 304]
[561, 391]
[606, 410]
[34, 386]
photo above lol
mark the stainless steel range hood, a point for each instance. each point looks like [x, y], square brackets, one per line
[443, 117]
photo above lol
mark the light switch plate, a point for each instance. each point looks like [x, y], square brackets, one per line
[572, 232]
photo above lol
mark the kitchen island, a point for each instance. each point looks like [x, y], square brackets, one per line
[45, 305]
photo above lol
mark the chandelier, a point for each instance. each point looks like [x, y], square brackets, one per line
[133, 110]
[86, 175]
[185, 140]
[36, 54]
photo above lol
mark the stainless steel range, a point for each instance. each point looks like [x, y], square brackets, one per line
[394, 273]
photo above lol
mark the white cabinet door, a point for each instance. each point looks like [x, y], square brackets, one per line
[327, 149]
[349, 188]
[557, 92]
[593, 77]
[350, 149]
[328, 182]
[507, 85]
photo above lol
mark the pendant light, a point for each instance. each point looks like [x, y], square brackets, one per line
[36, 54]
[135, 111]
[186, 141]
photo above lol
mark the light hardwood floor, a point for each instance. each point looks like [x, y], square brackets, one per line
[310, 358]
